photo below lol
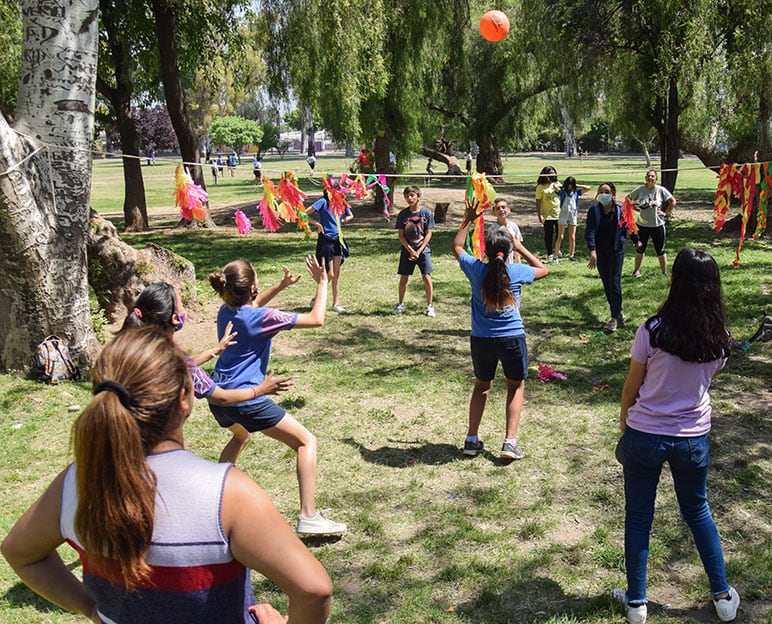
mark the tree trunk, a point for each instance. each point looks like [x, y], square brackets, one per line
[166, 32]
[44, 210]
[489, 158]
[119, 96]
[669, 139]
[118, 272]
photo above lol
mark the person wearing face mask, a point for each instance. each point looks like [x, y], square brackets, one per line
[160, 304]
[654, 203]
[606, 241]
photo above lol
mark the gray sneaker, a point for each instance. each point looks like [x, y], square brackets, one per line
[319, 525]
[726, 608]
[398, 309]
[511, 451]
[611, 325]
[339, 309]
[471, 449]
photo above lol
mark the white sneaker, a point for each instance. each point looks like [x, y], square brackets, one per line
[726, 608]
[319, 525]
[635, 615]
[339, 309]
[398, 309]
[430, 310]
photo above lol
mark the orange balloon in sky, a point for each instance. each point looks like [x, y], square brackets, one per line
[494, 25]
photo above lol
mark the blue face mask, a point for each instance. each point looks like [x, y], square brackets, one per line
[180, 321]
[604, 199]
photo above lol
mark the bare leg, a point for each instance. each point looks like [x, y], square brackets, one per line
[559, 240]
[638, 260]
[402, 287]
[477, 404]
[571, 240]
[515, 396]
[236, 444]
[428, 287]
[334, 277]
[663, 263]
[301, 440]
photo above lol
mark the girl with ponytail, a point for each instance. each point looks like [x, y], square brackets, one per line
[160, 304]
[162, 535]
[498, 334]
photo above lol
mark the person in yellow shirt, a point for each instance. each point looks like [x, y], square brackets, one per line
[548, 207]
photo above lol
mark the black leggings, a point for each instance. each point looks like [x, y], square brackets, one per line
[550, 234]
[657, 235]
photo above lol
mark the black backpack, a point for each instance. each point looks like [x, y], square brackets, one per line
[52, 361]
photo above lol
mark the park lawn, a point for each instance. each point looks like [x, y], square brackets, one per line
[435, 537]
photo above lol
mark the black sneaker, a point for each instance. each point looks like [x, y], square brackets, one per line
[511, 451]
[471, 449]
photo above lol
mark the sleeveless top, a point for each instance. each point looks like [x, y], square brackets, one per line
[195, 577]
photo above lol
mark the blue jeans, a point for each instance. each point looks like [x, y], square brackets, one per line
[644, 454]
[610, 271]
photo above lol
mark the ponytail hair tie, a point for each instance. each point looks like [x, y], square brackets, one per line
[117, 389]
[500, 254]
[138, 312]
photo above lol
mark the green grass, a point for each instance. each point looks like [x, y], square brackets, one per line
[434, 537]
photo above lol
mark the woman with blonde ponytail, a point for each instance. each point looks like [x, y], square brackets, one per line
[163, 535]
[498, 333]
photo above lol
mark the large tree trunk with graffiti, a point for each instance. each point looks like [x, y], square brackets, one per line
[44, 209]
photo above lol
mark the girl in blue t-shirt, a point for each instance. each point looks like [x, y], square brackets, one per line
[245, 364]
[498, 334]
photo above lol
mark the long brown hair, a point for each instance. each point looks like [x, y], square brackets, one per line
[111, 439]
[496, 289]
[236, 283]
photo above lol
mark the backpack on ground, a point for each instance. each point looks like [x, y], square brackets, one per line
[52, 361]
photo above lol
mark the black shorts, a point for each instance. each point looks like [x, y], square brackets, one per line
[407, 266]
[253, 417]
[511, 351]
[327, 248]
[657, 235]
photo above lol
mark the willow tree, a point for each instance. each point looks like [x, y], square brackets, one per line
[366, 69]
[45, 178]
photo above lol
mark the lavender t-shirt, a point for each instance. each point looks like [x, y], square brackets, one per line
[673, 399]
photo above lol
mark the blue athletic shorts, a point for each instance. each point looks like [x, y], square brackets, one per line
[253, 417]
[407, 266]
[511, 351]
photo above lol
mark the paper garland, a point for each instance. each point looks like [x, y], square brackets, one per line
[479, 197]
[740, 181]
[189, 197]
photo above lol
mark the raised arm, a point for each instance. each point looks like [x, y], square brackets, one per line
[541, 270]
[315, 318]
[269, 385]
[226, 341]
[264, 296]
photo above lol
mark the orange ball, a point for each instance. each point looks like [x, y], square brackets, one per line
[494, 25]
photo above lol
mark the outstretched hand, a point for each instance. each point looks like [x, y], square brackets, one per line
[318, 272]
[274, 385]
[289, 279]
[227, 339]
[470, 212]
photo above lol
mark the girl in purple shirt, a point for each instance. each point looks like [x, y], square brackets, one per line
[665, 417]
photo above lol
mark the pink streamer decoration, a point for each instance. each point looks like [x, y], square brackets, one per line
[548, 372]
[243, 224]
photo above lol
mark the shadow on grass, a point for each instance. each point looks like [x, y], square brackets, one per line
[419, 452]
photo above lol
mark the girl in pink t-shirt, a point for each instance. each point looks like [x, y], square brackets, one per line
[665, 417]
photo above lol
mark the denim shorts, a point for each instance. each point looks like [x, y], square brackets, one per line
[253, 416]
[511, 351]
